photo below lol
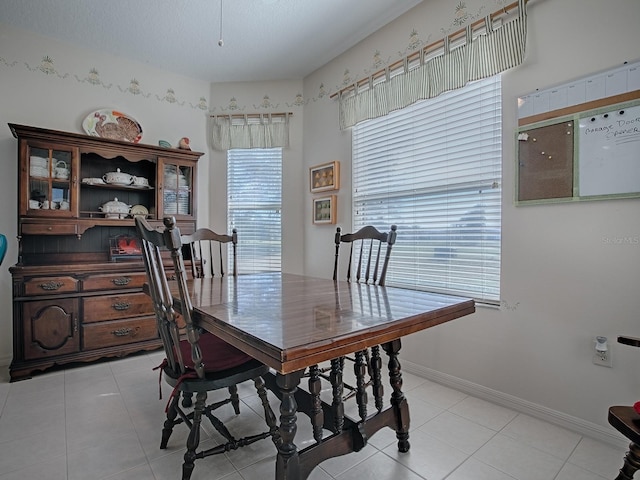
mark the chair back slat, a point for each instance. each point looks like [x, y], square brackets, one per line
[365, 244]
[207, 251]
[154, 242]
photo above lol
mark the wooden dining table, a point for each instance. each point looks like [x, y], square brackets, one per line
[293, 323]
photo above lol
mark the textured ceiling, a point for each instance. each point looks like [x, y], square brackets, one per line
[263, 39]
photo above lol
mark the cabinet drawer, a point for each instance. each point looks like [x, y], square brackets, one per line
[111, 307]
[48, 285]
[109, 281]
[119, 332]
[49, 229]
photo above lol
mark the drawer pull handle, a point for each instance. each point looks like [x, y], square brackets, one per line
[122, 281]
[51, 285]
[120, 306]
[126, 331]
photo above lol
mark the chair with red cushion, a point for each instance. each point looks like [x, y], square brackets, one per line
[200, 363]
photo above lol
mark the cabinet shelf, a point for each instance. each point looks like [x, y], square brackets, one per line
[112, 186]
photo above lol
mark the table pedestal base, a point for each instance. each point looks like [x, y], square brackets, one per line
[353, 436]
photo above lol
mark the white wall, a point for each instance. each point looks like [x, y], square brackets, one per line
[62, 98]
[562, 282]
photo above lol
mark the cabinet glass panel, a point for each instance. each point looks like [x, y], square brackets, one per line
[49, 180]
[178, 190]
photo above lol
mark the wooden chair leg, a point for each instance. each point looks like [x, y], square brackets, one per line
[360, 370]
[376, 377]
[317, 414]
[337, 404]
[194, 436]
[269, 416]
[235, 399]
[167, 429]
[631, 463]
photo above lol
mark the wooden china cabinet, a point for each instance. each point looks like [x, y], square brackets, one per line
[77, 285]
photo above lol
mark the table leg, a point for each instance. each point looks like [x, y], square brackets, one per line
[287, 461]
[398, 401]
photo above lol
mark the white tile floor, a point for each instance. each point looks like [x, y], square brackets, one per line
[103, 421]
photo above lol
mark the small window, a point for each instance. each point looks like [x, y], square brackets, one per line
[254, 188]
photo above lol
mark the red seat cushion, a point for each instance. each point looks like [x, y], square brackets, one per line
[217, 354]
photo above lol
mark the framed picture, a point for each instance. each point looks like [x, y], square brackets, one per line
[324, 210]
[325, 177]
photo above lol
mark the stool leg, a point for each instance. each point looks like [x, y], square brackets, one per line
[631, 463]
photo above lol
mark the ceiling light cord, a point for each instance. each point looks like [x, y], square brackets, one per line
[220, 42]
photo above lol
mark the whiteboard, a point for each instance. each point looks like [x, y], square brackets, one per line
[609, 152]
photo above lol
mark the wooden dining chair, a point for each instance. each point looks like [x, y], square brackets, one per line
[626, 420]
[366, 246]
[367, 262]
[206, 250]
[199, 363]
[206, 253]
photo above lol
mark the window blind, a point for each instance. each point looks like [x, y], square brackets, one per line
[434, 169]
[254, 189]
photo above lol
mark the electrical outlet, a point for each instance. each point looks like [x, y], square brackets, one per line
[602, 359]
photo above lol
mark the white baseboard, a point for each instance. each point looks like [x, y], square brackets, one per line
[583, 427]
[5, 361]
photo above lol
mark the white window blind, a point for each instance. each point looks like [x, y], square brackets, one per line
[434, 170]
[254, 189]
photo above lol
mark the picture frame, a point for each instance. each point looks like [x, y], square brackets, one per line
[325, 177]
[324, 210]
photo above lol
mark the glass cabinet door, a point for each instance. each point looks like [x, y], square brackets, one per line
[177, 192]
[50, 174]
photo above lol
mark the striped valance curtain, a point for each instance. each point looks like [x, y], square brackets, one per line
[481, 55]
[250, 131]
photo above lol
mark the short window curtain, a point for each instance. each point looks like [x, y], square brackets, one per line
[434, 169]
[250, 131]
[254, 189]
[481, 55]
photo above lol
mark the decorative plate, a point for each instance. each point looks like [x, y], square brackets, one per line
[112, 124]
[139, 210]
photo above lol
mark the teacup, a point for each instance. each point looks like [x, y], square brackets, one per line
[64, 205]
[34, 204]
[140, 181]
[45, 205]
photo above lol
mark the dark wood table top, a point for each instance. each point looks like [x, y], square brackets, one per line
[291, 322]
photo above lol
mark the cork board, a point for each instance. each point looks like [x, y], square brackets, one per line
[545, 162]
